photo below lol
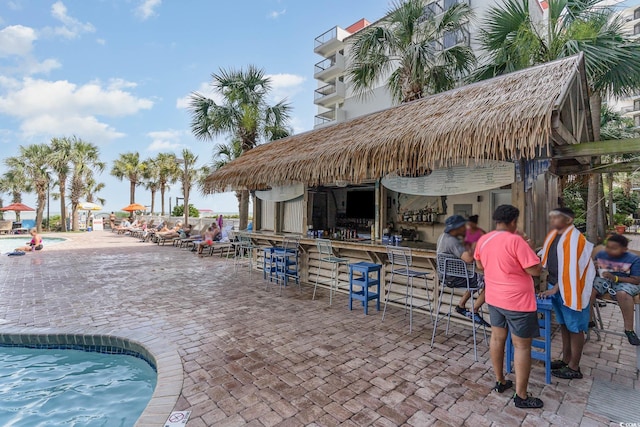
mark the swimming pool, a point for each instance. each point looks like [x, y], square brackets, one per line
[54, 387]
[8, 244]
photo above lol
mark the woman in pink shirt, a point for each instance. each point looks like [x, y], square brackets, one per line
[509, 264]
[473, 233]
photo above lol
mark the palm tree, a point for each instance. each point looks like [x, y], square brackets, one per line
[14, 182]
[244, 114]
[514, 41]
[168, 173]
[410, 49]
[60, 161]
[85, 161]
[91, 190]
[128, 166]
[188, 176]
[151, 177]
[33, 160]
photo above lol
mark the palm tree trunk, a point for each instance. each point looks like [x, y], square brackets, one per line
[153, 200]
[162, 190]
[62, 184]
[132, 192]
[75, 221]
[42, 198]
[595, 102]
[610, 184]
[244, 209]
[186, 206]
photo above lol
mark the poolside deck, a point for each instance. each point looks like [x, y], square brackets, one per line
[253, 358]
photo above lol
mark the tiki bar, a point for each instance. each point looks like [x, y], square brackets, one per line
[392, 177]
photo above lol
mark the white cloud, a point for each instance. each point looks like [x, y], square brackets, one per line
[15, 5]
[118, 84]
[46, 108]
[16, 40]
[101, 42]
[71, 27]
[165, 140]
[31, 66]
[147, 8]
[285, 85]
[204, 89]
[275, 14]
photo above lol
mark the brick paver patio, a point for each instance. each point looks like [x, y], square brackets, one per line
[253, 358]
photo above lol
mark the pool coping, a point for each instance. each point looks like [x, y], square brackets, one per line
[164, 355]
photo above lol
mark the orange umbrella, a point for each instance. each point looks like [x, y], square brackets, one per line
[133, 207]
[18, 207]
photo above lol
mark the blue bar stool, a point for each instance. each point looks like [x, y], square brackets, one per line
[364, 281]
[540, 347]
[268, 262]
[287, 261]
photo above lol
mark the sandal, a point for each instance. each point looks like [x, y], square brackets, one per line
[502, 387]
[528, 403]
[567, 373]
[557, 364]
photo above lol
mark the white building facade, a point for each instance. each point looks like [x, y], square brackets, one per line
[630, 106]
[335, 97]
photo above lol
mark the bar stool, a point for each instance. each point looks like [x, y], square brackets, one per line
[286, 260]
[325, 250]
[540, 347]
[365, 281]
[268, 262]
[244, 247]
[449, 267]
[401, 262]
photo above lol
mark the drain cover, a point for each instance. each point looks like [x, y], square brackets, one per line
[617, 402]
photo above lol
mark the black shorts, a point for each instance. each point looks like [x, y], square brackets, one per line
[461, 282]
[522, 324]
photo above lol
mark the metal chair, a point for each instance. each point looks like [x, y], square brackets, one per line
[325, 250]
[450, 267]
[244, 247]
[401, 262]
[286, 259]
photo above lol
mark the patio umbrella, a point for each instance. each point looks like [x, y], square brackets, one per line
[133, 207]
[17, 207]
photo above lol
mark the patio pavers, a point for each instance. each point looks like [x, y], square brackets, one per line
[253, 358]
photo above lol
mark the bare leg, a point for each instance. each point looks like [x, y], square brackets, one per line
[566, 344]
[577, 343]
[498, 340]
[625, 301]
[478, 302]
[463, 300]
[522, 362]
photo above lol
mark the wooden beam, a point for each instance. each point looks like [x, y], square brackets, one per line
[600, 148]
[605, 168]
[564, 133]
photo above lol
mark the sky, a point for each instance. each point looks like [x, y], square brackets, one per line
[118, 73]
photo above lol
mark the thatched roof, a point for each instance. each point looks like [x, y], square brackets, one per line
[505, 118]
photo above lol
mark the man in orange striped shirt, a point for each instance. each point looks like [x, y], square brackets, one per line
[567, 257]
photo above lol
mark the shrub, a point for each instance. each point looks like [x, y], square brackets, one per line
[179, 211]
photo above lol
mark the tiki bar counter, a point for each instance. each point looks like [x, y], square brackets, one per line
[393, 177]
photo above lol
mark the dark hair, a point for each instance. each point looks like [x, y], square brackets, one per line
[566, 211]
[506, 214]
[619, 239]
[474, 219]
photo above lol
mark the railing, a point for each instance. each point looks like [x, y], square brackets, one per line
[326, 90]
[325, 64]
[326, 36]
[320, 120]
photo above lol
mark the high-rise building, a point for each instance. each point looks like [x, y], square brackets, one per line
[630, 106]
[335, 97]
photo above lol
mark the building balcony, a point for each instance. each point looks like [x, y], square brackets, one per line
[328, 69]
[330, 41]
[330, 94]
[329, 117]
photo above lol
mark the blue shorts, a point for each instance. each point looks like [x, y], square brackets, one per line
[574, 321]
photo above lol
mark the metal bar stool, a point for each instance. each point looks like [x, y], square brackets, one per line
[245, 247]
[450, 267]
[401, 262]
[325, 250]
[287, 261]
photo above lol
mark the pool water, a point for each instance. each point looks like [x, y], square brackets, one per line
[8, 244]
[72, 388]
